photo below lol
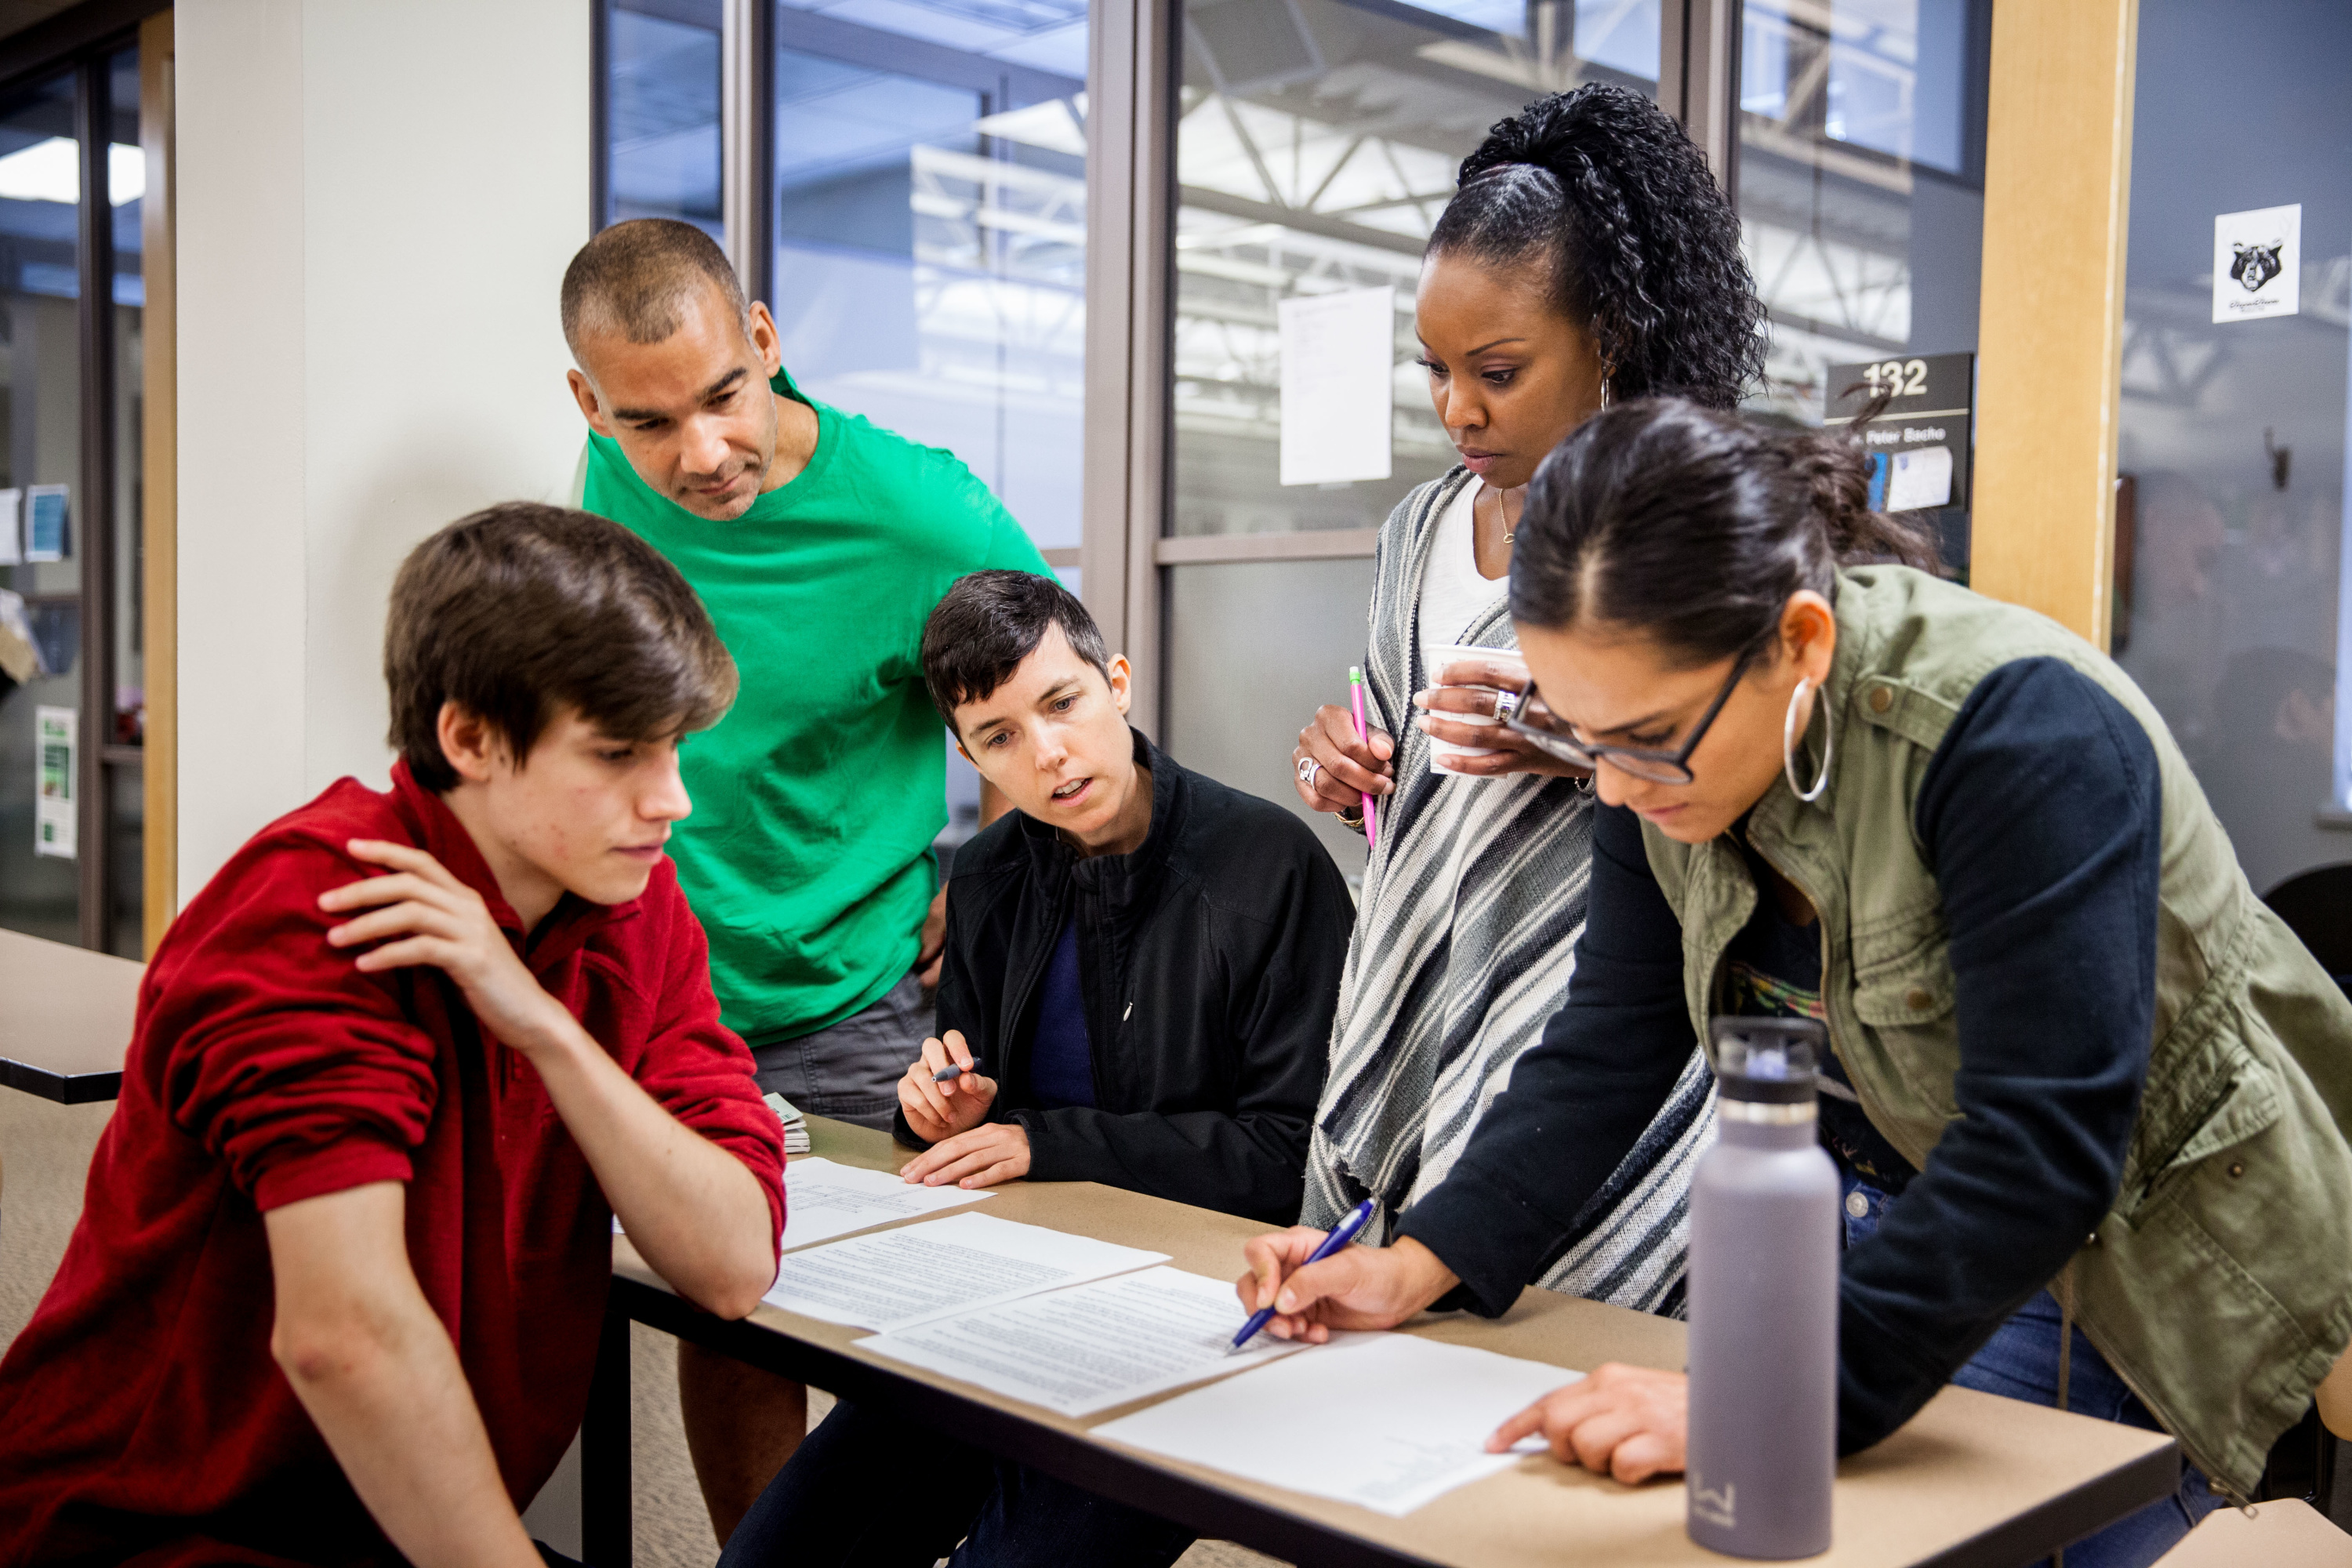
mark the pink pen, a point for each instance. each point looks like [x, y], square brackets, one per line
[1372, 806]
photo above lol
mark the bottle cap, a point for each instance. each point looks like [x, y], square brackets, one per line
[1767, 1061]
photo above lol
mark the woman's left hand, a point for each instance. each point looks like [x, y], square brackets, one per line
[1470, 685]
[1626, 1422]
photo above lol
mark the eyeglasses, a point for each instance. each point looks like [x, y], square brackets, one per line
[1524, 713]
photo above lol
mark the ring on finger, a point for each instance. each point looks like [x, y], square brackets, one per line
[1307, 768]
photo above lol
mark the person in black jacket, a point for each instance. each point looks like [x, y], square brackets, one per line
[1141, 972]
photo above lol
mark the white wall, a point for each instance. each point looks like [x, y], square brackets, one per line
[376, 205]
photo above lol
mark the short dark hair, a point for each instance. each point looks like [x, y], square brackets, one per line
[988, 623]
[1601, 189]
[522, 610]
[633, 277]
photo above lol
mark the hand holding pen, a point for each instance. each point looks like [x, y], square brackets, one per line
[1336, 765]
[942, 1091]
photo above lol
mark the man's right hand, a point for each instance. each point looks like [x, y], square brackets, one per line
[1356, 1287]
[1346, 768]
[939, 1110]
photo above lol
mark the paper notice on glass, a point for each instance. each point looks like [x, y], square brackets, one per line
[55, 819]
[1339, 386]
[1386, 1421]
[901, 1277]
[12, 527]
[2258, 263]
[1919, 478]
[1092, 1346]
[48, 533]
[822, 1200]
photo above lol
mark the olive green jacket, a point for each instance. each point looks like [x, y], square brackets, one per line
[2219, 1285]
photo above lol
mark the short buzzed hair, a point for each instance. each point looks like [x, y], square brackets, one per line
[522, 611]
[988, 623]
[635, 278]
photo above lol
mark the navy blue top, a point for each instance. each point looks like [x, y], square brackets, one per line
[1061, 1057]
[2041, 816]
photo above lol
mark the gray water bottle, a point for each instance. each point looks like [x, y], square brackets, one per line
[1763, 1301]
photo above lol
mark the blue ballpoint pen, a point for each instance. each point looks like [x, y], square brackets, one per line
[1358, 1218]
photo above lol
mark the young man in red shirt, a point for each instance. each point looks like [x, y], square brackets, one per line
[336, 1291]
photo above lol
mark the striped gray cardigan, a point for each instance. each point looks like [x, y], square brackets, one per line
[1465, 939]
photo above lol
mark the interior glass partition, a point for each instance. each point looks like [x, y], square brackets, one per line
[72, 699]
[2230, 517]
[661, 93]
[1860, 177]
[41, 781]
[930, 177]
[1316, 144]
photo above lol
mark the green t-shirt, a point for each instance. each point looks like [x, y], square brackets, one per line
[808, 856]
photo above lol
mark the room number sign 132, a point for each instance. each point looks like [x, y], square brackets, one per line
[1897, 378]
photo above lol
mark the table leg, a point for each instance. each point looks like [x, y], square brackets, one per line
[606, 1537]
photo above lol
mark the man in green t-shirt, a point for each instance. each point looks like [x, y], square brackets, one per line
[819, 542]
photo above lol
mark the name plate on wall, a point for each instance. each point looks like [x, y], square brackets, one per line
[1919, 443]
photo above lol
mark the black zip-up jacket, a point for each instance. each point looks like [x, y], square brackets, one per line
[1208, 961]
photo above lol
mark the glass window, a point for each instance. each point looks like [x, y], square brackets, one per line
[1316, 144]
[41, 444]
[1234, 630]
[1861, 189]
[126, 171]
[929, 163]
[2231, 514]
[662, 102]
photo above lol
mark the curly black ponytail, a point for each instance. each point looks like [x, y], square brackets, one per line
[1694, 527]
[1601, 186]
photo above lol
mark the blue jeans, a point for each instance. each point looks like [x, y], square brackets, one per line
[2020, 1361]
[867, 1491]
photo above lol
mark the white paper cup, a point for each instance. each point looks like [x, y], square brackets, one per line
[1438, 748]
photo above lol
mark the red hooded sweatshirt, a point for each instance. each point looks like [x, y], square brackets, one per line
[141, 1416]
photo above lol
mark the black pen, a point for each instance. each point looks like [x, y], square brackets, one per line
[946, 1072]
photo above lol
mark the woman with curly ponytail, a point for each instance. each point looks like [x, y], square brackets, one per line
[1587, 256]
[2087, 1097]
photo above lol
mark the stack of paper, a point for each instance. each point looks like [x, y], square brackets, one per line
[896, 1278]
[1386, 1421]
[1092, 1346]
[796, 1140]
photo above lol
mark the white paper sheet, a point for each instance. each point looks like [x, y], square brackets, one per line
[822, 1200]
[901, 1277]
[1092, 1346]
[1338, 384]
[1386, 1421]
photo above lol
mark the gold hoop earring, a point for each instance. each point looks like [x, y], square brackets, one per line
[1789, 745]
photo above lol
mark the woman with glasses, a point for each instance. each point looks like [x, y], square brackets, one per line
[1587, 255]
[2079, 1071]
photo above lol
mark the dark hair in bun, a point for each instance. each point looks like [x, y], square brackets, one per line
[1694, 526]
[1600, 188]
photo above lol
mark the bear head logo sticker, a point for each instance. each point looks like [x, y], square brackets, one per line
[2256, 263]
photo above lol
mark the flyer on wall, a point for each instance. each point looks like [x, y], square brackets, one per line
[54, 816]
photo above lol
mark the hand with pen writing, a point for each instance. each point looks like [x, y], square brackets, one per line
[1627, 1422]
[946, 1102]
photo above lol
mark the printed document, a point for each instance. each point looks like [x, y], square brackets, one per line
[900, 1277]
[822, 1200]
[1092, 1346]
[1389, 1422]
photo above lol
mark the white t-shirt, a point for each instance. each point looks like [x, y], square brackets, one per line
[1452, 592]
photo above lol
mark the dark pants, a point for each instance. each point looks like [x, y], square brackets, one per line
[868, 1491]
[850, 1071]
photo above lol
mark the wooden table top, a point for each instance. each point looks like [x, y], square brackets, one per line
[1974, 1479]
[65, 1019]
